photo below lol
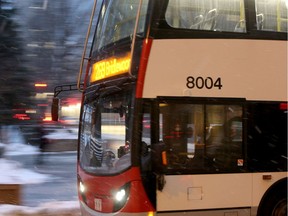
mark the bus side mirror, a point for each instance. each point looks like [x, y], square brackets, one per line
[159, 157]
[55, 109]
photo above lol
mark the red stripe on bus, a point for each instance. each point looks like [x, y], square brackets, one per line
[147, 44]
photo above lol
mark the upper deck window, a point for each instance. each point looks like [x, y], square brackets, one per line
[272, 15]
[213, 15]
[117, 21]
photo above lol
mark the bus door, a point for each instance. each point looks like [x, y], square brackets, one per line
[199, 156]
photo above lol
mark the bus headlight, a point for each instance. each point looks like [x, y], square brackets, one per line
[121, 197]
[82, 190]
[81, 187]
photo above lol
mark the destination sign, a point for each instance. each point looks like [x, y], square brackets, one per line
[110, 67]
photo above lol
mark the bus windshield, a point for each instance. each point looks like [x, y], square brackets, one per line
[104, 144]
[117, 21]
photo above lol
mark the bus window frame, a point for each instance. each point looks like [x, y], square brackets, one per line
[203, 101]
[161, 30]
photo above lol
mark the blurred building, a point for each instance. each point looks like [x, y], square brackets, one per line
[46, 38]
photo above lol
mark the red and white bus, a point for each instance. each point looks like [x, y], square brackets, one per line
[185, 109]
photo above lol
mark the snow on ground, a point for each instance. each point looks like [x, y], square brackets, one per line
[13, 173]
[19, 175]
[13, 149]
[71, 133]
[63, 208]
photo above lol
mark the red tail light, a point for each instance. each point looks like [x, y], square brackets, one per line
[283, 106]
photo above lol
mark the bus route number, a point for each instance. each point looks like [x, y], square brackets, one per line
[201, 82]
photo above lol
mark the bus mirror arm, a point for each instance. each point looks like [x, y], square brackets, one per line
[56, 101]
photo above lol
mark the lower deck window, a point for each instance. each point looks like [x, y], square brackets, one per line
[203, 137]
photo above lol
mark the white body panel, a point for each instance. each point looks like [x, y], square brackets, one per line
[251, 69]
[218, 191]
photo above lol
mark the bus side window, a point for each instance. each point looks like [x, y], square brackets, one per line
[271, 15]
[225, 15]
[183, 132]
[267, 136]
[224, 135]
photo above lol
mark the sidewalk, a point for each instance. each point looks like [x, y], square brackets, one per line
[14, 144]
[65, 208]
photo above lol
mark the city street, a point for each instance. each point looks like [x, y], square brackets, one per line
[161, 107]
[61, 186]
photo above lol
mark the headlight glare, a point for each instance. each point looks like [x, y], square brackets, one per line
[120, 195]
[81, 187]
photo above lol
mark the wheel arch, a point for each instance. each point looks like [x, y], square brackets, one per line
[274, 192]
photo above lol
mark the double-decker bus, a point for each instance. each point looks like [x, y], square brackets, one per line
[184, 109]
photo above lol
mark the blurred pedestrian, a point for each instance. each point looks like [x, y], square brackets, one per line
[42, 145]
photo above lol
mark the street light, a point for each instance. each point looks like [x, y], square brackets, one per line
[40, 85]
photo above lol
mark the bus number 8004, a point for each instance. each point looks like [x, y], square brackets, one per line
[200, 82]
